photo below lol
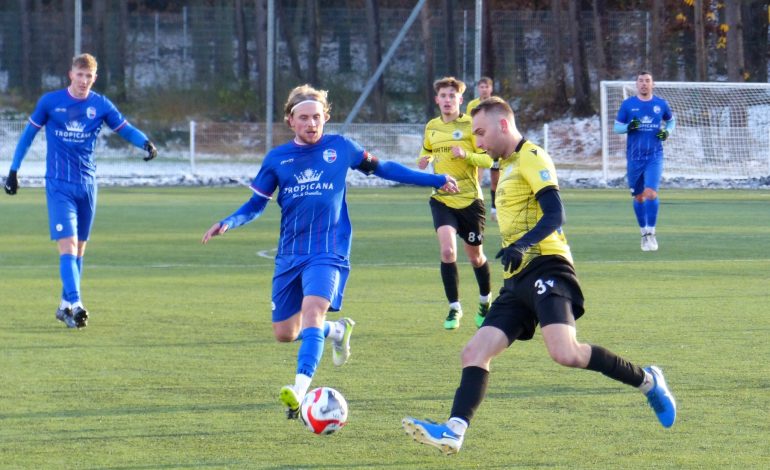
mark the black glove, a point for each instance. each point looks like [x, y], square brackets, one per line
[152, 152]
[11, 183]
[511, 257]
[662, 134]
[634, 124]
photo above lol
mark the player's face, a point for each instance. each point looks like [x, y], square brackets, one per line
[644, 85]
[449, 100]
[489, 134]
[82, 79]
[308, 121]
[484, 89]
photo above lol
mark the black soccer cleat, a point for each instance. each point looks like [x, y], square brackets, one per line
[80, 317]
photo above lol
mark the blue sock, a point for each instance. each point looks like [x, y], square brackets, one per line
[641, 215]
[79, 263]
[651, 209]
[70, 277]
[310, 351]
[327, 329]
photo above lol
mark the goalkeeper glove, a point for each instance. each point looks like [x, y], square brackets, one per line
[662, 134]
[634, 124]
[152, 152]
[12, 183]
[511, 257]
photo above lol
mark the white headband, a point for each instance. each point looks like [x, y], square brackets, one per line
[303, 102]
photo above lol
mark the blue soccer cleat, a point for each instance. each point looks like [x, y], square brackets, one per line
[64, 315]
[432, 434]
[660, 398]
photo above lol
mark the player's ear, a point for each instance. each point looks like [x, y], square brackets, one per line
[327, 116]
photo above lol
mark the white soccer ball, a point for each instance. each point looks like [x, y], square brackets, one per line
[324, 410]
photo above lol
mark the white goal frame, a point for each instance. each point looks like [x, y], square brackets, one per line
[722, 129]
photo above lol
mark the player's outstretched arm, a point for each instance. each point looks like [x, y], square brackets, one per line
[249, 211]
[139, 139]
[397, 172]
[11, 185]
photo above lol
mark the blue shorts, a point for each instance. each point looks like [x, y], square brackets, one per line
[644, 174]
[323, 275]
[71, 209]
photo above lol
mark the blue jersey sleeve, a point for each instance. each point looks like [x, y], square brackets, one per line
[133, 135]
[23, 146]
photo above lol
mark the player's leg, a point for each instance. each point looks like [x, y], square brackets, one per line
[471, 230]
[446, 224]
[62, 221]
[508, 320]
[560, 337]
[86, 212]
[494, 177]
[652, 174]
[636, 185]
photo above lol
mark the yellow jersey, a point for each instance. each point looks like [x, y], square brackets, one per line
[472, 104]
[437, 145]
[524, 174]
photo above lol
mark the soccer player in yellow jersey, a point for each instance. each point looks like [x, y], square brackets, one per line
[540, 286]
[484, 89]
[448, 144]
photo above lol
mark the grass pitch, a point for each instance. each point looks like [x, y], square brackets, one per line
[178, 367]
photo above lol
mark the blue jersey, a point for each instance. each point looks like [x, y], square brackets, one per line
[643, 144]
[311, 182]
[71, 128]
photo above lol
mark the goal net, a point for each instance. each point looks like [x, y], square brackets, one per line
[722, 129]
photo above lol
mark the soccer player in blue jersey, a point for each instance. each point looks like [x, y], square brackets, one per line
[313, 257]
[648, 120]
[540, 286]
[73, 118]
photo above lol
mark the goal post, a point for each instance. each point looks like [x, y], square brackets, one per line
[722, 129]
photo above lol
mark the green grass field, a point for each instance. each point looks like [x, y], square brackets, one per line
[178, 367]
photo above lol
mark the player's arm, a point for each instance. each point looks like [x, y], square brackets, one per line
[138, 139]
[25, 141]
[477, 158]
[393, 171]
[667, 129]
[248, 212]
[426, 154]
[553, 217]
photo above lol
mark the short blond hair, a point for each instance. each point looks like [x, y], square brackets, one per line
[494, 105]
[305, 93]
[449, 82]
[84, 61]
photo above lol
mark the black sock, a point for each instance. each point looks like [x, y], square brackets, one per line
[614, 366]
[451, 279]
[492, 193]
[470, 393]
[483, 277]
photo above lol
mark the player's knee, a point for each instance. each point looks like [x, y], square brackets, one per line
[639, 197]
[471, 355]
[448, 255]
[567, 357]
[285, 336]
[478, 260]
[650, 194]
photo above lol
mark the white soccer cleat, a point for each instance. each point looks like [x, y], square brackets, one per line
[341, 348]
[646, 242]
[653, 242]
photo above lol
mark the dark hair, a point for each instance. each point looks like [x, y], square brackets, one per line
[493, 104]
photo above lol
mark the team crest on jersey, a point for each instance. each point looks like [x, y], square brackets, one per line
[91, 112]
[545, 175]
[330, 155]
[656, 109]
[308, 176]
[457, 135]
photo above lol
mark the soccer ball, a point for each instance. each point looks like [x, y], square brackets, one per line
[323, 410]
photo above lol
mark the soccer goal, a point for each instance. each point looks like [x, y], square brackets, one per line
[722, 129]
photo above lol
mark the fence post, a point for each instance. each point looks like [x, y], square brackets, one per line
[192, 147]
[545, 138]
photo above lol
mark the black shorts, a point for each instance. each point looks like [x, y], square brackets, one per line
[469, 222]
[546, 292]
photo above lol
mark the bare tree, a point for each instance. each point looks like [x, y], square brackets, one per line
[656, 39]
[556, 59]
[121, 59]
[26, 48]
[735, 64]
[700, 42]
[288, 36]
[374, 57]
[260, 39]
[242, 57]
[314, 40]
[754, 14]
[488, 63]
[451, 42]
[427, 41]
[581, 82]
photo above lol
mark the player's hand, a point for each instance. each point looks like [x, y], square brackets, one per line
[511, 257]
[634, 125]
[423, 162]
[215, 230]
[11, 183]
[662, 134]
[450, 186]
[152, 152]
[458, 152]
